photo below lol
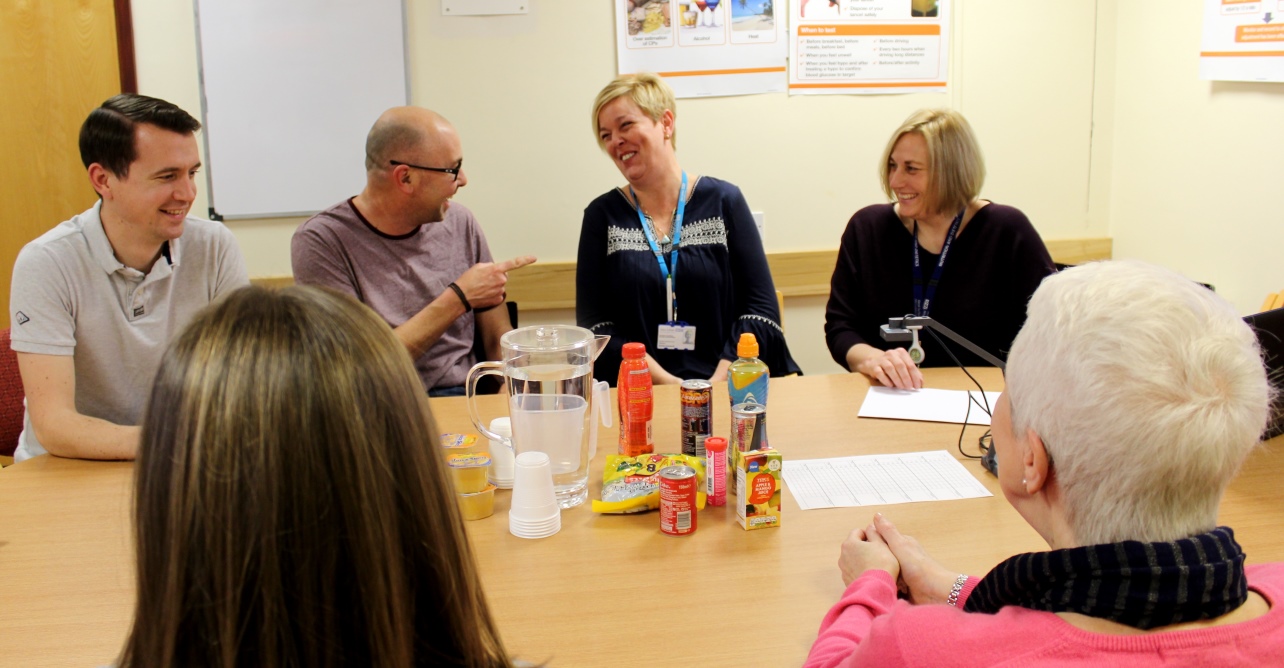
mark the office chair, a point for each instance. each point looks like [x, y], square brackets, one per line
[11, 395]
[491, 384]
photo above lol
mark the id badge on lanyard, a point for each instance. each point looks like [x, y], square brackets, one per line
[673, 334]
[923, 302]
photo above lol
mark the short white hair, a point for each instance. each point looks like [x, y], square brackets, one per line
[1148, 391]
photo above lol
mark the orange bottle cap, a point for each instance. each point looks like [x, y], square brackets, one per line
[747, 346]
[633, 351]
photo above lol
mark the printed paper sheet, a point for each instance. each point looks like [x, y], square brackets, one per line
[871, 480]
[928, 405]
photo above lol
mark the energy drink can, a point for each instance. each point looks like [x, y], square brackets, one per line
[748, 432]
[677, 500]
[697, 416]
[748, 429]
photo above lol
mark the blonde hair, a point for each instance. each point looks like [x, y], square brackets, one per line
[647, 91]
[955, 170]
[1148, 391]
[290, 507]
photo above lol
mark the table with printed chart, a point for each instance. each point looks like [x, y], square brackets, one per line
[606, 590]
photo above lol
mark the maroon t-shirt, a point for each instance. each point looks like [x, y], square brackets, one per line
[396, 276]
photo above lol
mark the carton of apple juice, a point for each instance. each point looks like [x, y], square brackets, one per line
[758, 475]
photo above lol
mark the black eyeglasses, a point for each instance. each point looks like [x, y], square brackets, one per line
[452, 171]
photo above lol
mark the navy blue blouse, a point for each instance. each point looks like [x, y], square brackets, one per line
[722, 283]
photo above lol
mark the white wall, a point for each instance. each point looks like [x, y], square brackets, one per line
[520, 91]
[1198, 166]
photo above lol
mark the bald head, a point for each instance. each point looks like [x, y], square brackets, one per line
[401, 133]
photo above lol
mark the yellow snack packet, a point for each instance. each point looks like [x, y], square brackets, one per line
[629, 484]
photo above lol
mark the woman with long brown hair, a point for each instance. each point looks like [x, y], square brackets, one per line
[290, 509]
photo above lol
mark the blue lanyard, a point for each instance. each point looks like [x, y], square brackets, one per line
[677, 239]
[923, 305]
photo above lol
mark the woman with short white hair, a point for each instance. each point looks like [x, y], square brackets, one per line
[1133, 397]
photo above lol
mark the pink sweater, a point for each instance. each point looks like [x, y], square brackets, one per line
[870, 627]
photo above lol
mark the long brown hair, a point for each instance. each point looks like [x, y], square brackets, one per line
[290, 506]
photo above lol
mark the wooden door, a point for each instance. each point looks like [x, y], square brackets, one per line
[58, 60]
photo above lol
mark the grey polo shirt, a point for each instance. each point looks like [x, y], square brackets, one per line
[71, 296]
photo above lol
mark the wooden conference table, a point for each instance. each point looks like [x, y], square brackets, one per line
[606, 590]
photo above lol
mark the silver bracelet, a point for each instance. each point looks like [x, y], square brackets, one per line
[953, 600]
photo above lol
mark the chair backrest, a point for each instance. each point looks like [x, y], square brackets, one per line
[11, 409]
[1269, 327]
[780, 303]
[1274, 300]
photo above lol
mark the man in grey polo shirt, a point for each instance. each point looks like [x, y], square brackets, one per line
[405, 250]
[96, 299]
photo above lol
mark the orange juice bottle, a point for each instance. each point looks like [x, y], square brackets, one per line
[636, 402]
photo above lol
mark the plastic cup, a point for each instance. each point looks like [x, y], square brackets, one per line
[469, 471]
[478, 506]
[554, 424]
[534, 512]
[460, 444]
[501, 456]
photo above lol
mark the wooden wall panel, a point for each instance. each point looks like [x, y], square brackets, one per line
[58, 60]
[551, 285]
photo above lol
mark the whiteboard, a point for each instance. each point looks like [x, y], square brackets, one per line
[289, 89]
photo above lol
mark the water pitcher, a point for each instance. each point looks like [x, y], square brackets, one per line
[548, 371]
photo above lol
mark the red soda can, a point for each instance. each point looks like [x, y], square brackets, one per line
[677, 500]
[715, 470]
[697, 416]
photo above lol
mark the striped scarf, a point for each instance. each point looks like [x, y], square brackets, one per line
[1142, 585]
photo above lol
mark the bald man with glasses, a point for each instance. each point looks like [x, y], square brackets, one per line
[405, 250]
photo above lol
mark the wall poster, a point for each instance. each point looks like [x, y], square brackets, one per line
[1243, 41]
[867, 47]
[704, 47]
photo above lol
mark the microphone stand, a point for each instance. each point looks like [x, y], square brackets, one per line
[898, 330]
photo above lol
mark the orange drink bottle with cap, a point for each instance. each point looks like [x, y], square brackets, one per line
[747, 376]
[636, 402]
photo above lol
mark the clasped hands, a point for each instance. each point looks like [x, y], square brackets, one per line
[880, 546]
[483, 283]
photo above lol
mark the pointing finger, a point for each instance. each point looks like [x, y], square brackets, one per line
[515, 263]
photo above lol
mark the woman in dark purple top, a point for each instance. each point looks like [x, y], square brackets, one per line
[977, 262]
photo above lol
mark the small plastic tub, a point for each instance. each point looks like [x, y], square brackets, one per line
[479, 505]
[469, 471]
[460, 444]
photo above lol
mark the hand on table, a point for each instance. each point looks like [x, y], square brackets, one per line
[866, 550]
[720, 373]
[926, 580]
[483, 283]
[892, 368]
[658, 375]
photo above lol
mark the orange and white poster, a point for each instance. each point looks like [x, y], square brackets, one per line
[868, 47]
[704, 48]
[1243, 41]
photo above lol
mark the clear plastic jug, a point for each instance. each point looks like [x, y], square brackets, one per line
[548, 371]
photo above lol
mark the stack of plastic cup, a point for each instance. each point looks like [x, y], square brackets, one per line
[501, 456]
[534, 512]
